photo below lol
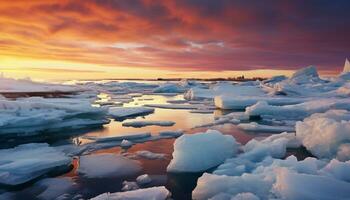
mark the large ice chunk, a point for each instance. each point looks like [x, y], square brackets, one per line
[201, 151]
[126, 112]
[291, 185]
[297, 111]
[37, 115]
[255, 127]
[29, 161]
[154, 193]
[241, 102]
[223, 89]
[324, 134]
[346, 66]
[305, 75]
[9, 85]
[210, 185]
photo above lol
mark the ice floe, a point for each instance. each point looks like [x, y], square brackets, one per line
[222, 89]
[143, 179]
[27, 162]
[253, 126]
[201, 151]
[326, 135]
[9, 85]
[241, 102]
[138, 124]
[127, 112]
[36, 115]
[154, 193]
[149, 155]
[296, 111]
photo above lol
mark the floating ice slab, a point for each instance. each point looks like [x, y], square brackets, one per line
[26, 85]
[297, 111]
[221, 89]
[282, 179]
[143, 179]
[36, 115]
[107, 165]
[210, 185]
[255, 151]
[326, 135]
[241, 102]
[154, 193]
[255, 127]
[150, 155]
[138, 124]
[126, 112]
[291, 185]
[129, 136]
[201, 151]
[130, 185]
[29, 161]
[126, 144]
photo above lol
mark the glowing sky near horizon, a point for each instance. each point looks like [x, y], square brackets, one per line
[61, 39]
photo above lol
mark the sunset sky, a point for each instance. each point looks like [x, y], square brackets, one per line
[48, 39]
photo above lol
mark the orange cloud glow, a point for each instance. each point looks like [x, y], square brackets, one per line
[153, 38]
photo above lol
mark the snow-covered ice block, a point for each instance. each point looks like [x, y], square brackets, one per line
[297, 111]
[223, 89]
[154, 193]
[129, 185]
[245, 196]
[29, 161]
[209, 185]
[253, 126]
[143, 179]
[26, 85]
[305, 75]
[126, 144]
[149, 155]
[338, 170]
[291, 185]
[241, 102]
[201, 151]
[107, 165]
[126, 112]
[274, 146]
[138, 124]
[346, 68]
[255, 151]
[36, 115]
[326, 135]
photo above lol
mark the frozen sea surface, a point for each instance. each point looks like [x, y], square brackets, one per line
[249, 158]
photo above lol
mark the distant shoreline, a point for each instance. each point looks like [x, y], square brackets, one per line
[179, 79]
